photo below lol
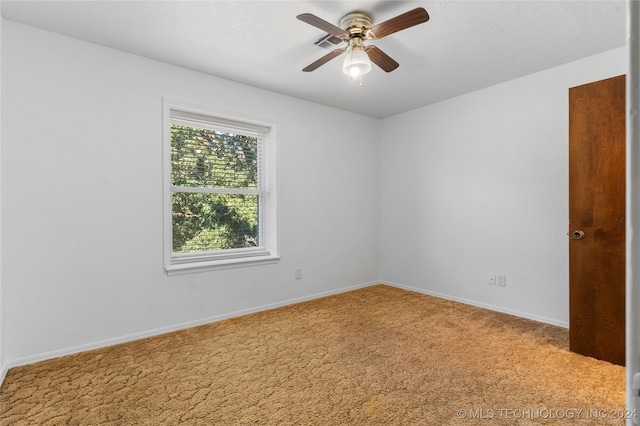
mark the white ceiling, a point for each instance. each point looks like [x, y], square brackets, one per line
[465, 46]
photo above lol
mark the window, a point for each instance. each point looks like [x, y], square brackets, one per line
[219, 195]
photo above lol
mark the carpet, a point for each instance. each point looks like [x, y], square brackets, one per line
[374, 356]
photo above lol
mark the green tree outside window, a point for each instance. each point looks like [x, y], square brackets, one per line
[220, 162]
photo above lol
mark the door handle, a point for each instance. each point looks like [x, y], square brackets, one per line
[577, 234]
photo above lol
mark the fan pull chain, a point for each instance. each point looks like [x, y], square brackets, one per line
[360, 80]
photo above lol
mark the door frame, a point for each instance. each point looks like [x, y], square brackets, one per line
[633, 209]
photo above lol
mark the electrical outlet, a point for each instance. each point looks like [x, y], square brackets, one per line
[298, 273]
[502, 280]
[492, 278]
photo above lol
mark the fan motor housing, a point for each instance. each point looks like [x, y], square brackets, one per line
[355, 23]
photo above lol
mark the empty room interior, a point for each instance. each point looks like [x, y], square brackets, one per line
[430, 193]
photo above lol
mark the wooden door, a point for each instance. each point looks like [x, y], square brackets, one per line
[597, 219]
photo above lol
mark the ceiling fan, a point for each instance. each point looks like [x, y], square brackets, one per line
[355, 28]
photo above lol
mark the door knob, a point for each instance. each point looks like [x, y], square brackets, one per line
[577, 235]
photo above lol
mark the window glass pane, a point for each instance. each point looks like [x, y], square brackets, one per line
[210, 159]
[206, 222]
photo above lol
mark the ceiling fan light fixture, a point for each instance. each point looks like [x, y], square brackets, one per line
[356, 62]
[355, 28]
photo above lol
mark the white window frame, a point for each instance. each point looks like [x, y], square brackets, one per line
[267, 252]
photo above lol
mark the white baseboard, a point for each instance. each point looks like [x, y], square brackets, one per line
[163, 330]
[4, 369]
[546, 320]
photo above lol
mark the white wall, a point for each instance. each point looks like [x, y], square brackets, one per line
[472, 185]
[82, 198]
[479, 184]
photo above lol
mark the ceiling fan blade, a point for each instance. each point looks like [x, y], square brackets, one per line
[399, 23]
[326, 58]
[381, 59]
[323, 25]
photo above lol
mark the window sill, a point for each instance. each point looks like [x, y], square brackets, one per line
[214, 265]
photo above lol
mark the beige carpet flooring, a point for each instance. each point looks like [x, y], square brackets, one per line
[374, 356]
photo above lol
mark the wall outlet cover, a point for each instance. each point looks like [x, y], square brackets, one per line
[501, 280]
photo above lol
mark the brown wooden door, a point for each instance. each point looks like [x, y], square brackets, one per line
[597, 209]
